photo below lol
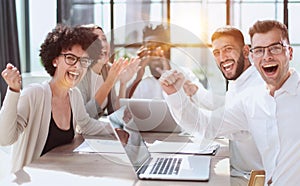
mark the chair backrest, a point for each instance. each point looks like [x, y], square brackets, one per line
[257, 178]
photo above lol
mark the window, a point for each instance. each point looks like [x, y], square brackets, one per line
[123, 21]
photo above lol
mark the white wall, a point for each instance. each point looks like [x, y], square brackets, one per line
[42, 20]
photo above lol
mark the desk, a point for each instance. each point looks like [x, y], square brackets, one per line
[62, 166]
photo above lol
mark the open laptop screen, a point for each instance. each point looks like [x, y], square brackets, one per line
[150, 115]
[162, 167]
[134, 146]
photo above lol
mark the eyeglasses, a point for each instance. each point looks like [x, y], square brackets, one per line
[71, 59]
[275, 48]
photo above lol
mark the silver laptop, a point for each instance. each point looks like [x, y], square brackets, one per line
[160, 166]
[151, 115]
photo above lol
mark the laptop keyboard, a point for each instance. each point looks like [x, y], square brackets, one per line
[166, 166]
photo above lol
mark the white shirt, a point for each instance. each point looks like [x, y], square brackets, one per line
[148, 88]
[272, 121]
[207, 99]
[244, 155]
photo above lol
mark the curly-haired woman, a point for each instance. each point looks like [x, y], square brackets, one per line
[44, 116]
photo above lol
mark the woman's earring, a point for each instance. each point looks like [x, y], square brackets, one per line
[54, 65]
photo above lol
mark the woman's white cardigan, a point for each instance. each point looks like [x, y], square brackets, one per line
[25, 119]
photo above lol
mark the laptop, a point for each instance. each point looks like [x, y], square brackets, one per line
[151, 115]
[159, 166]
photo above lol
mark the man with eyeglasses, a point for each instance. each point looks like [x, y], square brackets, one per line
[270, 112]
[278, 110]
[274, 48]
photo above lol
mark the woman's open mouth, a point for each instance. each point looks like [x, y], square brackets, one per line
[73, 75]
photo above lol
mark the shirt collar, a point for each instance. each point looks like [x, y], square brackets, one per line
[243, 77]
[291, 84]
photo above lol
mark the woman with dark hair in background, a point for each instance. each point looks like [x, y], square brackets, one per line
[97, 86]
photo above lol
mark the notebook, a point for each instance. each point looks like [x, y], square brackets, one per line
[161, 166]
[150, 115]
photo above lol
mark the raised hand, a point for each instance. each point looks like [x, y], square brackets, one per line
[143, 52]
[171, 81]
[150, 57]
[113, 74]
[165, 64]
[190, 88]
[130, 70]
[117, 67]
[12, 77]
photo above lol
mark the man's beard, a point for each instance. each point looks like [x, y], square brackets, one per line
[239, 69]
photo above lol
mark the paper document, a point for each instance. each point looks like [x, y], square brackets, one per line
[183, 148]
[99, 145]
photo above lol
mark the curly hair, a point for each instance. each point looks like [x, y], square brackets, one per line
[64, 37]
[92, 27]
[161, 32]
